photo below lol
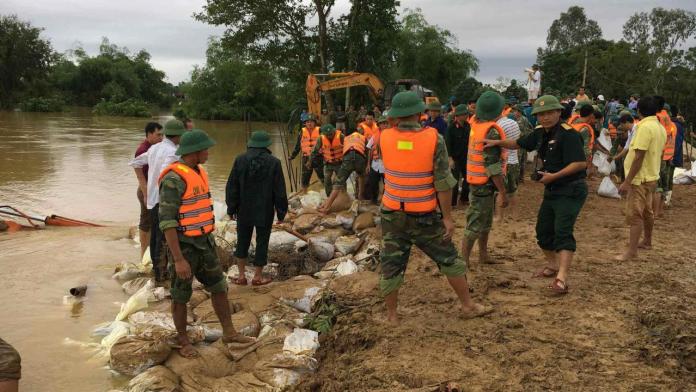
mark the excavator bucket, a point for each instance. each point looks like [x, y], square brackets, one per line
[56, 220]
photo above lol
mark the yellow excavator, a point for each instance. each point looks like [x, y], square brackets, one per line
[378, 92]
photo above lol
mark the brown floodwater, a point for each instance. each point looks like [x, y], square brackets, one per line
[75, 164]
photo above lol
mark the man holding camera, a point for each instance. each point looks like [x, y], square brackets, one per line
[560, 148]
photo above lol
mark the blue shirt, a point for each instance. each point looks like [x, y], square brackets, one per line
[678, 159]
[438, 123]
[530, 117]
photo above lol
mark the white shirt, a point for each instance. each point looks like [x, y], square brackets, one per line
[158, 157]
[377, 164]
[512, 132]
[535, 81]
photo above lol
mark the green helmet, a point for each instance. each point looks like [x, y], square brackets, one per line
[434, 105]
[382, 119]
[546, 103]
[174, 128]
[461, 110]
[311, 117]
[406, 103]
[194, 141]
[580, 104]
[489, 106]
[327, 129]
[259, 139]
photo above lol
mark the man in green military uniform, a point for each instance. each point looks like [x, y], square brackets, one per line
[457, 139]
[409, 220]
[479, 215]
[191, 247]
[561, 149]
[330, 168]
[354, 161]
[525, 129]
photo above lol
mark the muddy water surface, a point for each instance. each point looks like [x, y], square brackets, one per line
[75, 164]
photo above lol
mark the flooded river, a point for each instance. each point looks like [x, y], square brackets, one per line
[75, 164]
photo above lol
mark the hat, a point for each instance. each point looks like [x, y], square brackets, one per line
[406, 103]
[382, 119]
[461, 110]
[434, 105]
[259, 139]
[519, 107]
[327, 129]
[667, 107]
[174, 128]
[194, 141]
[546, 103]
[600, 97]
[580, 104]
[311, 117]
[489, 106]
[625, 113]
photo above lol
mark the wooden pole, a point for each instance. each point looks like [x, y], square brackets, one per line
[584, 70]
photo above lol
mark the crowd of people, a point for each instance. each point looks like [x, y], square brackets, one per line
[417, 162]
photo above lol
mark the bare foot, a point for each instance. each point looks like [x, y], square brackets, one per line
[237, 338]
[486, 259]
[626, 257]
[644, 245]
[187, 350]
[392, 319]
[475, 310]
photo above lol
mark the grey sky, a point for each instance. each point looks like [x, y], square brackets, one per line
[503, 34]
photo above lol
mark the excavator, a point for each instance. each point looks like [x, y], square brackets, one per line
[378, 93]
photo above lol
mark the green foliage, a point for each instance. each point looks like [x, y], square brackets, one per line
[516, 91]
[467, 89]
[24, 60]
[324, 316]
[572, 29]
[42, 104]
[128, 108]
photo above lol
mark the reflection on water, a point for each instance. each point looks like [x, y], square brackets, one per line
[75, 164]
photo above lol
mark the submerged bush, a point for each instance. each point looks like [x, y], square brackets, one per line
[42, 104]
[128, 108]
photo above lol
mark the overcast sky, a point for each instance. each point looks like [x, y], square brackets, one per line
[502, 34]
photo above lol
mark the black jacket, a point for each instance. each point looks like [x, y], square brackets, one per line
[256, 189]
[457, 140]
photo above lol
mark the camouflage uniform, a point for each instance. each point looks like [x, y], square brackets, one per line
[479, 215]
[525, 129]
[352, 162]
[329, 168]
[198, 251]
[402, 230]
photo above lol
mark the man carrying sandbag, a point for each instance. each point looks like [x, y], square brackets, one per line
[187, 221]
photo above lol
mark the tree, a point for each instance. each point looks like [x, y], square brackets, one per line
[659, 35]
[466, 90]
[430, 54]
[25, 59]
[515, 91]
[572, 29]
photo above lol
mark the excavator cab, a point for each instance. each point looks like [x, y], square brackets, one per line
[400, 85]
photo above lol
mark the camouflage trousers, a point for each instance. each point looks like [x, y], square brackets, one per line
[479, 215]
[329, 170]
[400, 231]
[205, 266]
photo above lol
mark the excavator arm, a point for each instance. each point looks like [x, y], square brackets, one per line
[314, 87]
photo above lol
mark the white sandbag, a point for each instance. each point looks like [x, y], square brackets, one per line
[301, 342]
[347, 244]
[322, 251]
[311, 200]
[132, 355]
[347, 267]
[346, 220]
[607, 188]
[132, 286]
[604, 167]
[120, 329]
[281, 241]
[155, 379]
[219, 210]
[284, 370]
[604, 139]
[136, 302]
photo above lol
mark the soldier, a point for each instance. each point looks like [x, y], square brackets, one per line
[354, 160]
[306, 140]
[417, 177]
[561, 150]
[187, 220]
[375, 166]
[330, 148]
[485, 173]
[525, 129]
[457, 139]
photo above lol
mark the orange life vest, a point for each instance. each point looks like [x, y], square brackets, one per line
[354, 141]
[423, 118]
[572, 118]
[612, 131]
[368, 130]
[196, 211]
[332, 150]
[668, 152]
[309, 139]
[506, 112]
[475, 163]
[375, 144]
[579, 126]
[409, 180]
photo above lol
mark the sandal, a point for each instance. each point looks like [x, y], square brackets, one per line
[558, 287]
[545, 272]
[261, 282]
[240, 281]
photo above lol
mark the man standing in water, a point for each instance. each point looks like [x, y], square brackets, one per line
[153, 135]
[255, 192]
[560, 148]
[157, 158]
[417, 178]
[187, 220]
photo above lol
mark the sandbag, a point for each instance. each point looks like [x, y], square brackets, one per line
[347, 267]
[197, 297]
[300, 292]
[119, 329]
[604, 167]
[346, 220]
[281, 241]
[330, 221]
[342, 202]
[246, 323]
[284, 370]
[136, 302]
[347, 244]
[305, 223]
[608, 189]
[211, 362]
[301, 342]
[132, 286]
[328, 235]
[364, 221]
[155, 379]
[132, 355]
[311, 200]
[322, 251]
[246, 382]
[282, 313]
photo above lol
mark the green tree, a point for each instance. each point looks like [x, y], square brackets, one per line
[572, 29]
[514, 90]
[659, 35]
[430, 54]
[466, 89]
[25, 59]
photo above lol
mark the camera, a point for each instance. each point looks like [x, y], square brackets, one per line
[536, 176]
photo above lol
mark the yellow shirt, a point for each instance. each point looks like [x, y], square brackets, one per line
[650, 137]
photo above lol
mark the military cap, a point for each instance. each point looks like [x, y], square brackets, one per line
[406, 103]
[194, 141]
[489, 106]
[546, 103]
[174, 128]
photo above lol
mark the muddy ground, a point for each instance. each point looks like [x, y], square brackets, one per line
[624, 326]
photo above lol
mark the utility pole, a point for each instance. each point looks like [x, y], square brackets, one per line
[584, 70]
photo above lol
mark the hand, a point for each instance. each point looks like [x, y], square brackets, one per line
[451, 163]
[547, 178]
[610, 158]
[624, 187]
[503, 201]
[308, 166]
[183, 269]
[232, 216]
[449, 228]
[490, 143]
[367, 170]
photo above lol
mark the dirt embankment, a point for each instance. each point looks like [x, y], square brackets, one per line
[624, 326]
